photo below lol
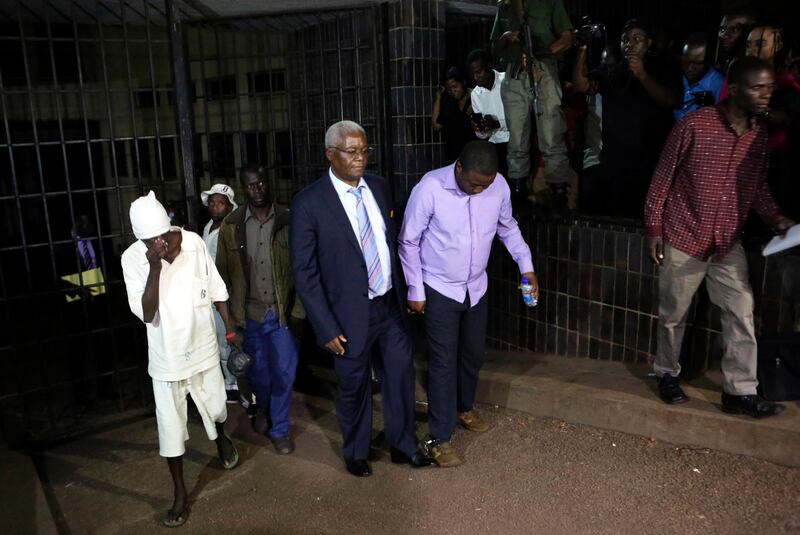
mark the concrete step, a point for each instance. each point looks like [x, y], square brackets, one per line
[623, 397]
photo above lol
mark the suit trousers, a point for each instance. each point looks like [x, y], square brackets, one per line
[354, 396]
[728, 287]
[456, 335]
[272, 370]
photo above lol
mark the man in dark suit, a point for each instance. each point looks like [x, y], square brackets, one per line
[343, 249]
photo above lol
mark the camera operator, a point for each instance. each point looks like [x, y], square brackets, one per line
[701, 82]
[639, 94]
[489, 119]
[592, 35]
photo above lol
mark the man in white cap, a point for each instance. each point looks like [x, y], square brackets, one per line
[219, 200]
[171, 283]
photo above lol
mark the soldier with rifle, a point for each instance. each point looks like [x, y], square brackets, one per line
[529, 36]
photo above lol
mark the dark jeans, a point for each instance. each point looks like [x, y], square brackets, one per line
[456, 345]
[271, 374]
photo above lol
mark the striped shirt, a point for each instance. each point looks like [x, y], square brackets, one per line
[707, 180]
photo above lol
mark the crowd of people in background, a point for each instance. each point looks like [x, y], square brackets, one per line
[579, 101]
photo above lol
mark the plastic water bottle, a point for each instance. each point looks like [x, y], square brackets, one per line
[527, 293]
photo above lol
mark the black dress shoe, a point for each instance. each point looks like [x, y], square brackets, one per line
[358, 468]
[670, 390]
[754, 406]
[417, 460]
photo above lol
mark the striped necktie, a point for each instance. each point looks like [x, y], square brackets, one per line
[86, 250]
[369, 246]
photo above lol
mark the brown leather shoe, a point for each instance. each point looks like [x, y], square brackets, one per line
[471, 422]
[445, 455]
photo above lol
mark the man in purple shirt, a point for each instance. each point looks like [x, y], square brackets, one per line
[451, 219]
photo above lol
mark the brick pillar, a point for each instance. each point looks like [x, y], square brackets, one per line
[416, 58]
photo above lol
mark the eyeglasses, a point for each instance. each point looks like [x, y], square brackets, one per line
[351, 153]
[260, 184]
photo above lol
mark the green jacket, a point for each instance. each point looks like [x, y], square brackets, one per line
[232, 265]
[547, 20]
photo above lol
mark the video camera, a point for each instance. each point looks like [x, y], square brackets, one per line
[477, 120]
[484, 123]
[591, 34]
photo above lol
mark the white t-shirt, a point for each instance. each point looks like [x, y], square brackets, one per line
[182, 338]
[211, 237]
[489, 102]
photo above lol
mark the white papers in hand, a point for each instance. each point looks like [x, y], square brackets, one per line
[778, 244]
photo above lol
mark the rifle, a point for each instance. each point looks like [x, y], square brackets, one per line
[528, 56]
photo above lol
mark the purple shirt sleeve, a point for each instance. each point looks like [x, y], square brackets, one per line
[415, 221]
[509, 233]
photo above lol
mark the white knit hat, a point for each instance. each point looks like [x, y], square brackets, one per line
[221, 189]
[148, 217]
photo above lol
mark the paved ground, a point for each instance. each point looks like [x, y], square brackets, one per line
[527, 475]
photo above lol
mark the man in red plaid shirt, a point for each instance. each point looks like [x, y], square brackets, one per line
[710, 174]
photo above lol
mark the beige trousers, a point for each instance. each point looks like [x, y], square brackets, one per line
[728, 287]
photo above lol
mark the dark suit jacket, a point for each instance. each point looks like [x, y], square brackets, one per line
[329, 269]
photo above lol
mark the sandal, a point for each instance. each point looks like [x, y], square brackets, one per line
[176, 521]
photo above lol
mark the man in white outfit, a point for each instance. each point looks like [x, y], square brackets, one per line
[171, 283]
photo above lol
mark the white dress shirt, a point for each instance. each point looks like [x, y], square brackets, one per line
[489, 102]
[375, 219]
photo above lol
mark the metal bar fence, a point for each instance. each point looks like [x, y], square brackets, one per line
[103, 100]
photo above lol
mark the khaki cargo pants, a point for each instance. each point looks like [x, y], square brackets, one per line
[550, 124]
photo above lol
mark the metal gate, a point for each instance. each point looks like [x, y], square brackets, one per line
[268, 87]
[102, 100]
